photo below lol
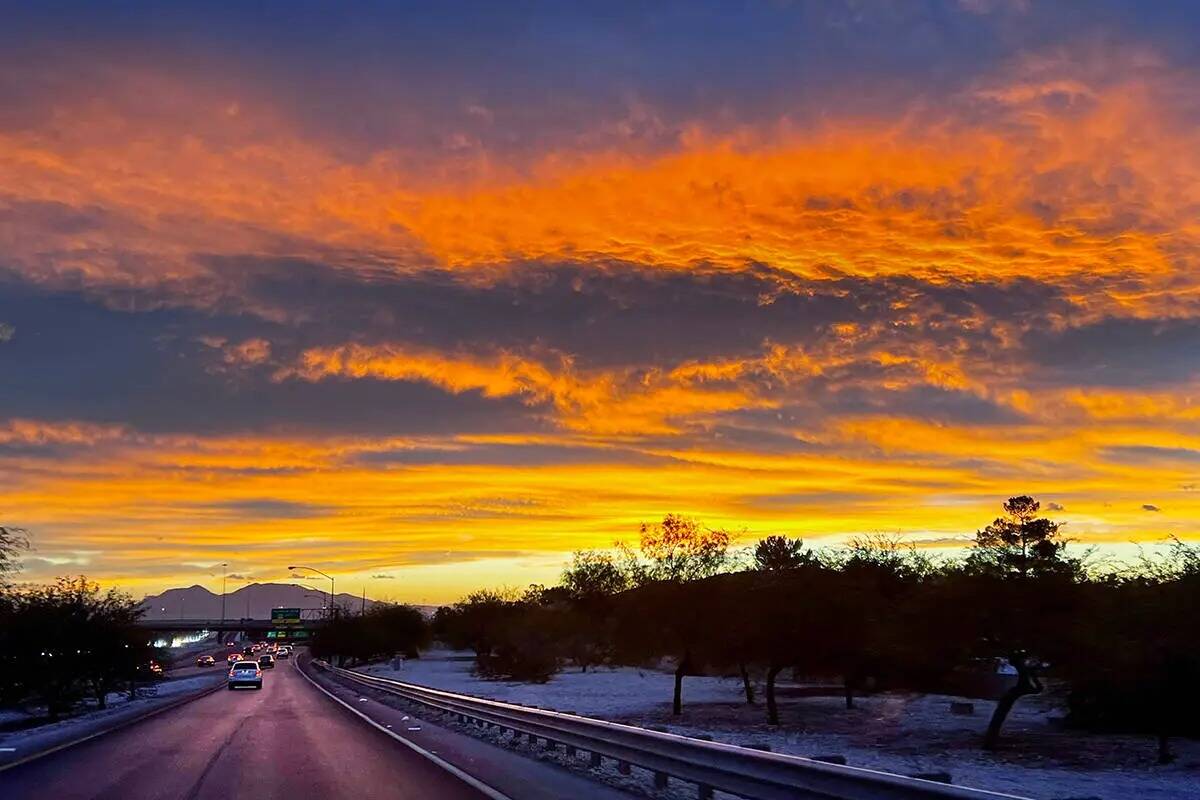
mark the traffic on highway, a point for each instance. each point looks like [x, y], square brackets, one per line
[284, 738]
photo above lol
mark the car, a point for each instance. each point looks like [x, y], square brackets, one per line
[151, 671]
[245, 673]
[233, 658]
[248, 650]
[266, 661]
[284, 652]
[205, 661]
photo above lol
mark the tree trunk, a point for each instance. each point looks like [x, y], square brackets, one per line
[1165, 756]
[772, 706]
[746, 685]
[682, 668]
[1027, 683]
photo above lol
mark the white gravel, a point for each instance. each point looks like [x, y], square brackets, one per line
[901, 733]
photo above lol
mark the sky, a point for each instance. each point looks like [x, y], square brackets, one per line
[428, 297]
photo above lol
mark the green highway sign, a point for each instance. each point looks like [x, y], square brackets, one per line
[288, 634]
[285, 616]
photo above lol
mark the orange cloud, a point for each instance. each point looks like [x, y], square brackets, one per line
[1087, 180]
[35, 432]
[642, 402]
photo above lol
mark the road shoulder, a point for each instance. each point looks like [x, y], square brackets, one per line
[26, 746]
[507, 772]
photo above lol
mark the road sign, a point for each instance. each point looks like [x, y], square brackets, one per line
[285, 616]
[291, 634]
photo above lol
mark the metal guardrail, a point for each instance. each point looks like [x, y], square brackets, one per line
[710, 766]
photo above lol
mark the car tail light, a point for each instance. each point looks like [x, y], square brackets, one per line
[258, 673]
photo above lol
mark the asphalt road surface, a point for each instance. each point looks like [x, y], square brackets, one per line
[285, 741]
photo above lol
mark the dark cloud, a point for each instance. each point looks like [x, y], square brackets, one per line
[614, 313]
[1135, 454]
[1149, 507]
[1119, 352]
[82, 361]
[687, 62]
[269, 508]
[139, 360]
[1055, 507]
[807, 499]
[516, 455]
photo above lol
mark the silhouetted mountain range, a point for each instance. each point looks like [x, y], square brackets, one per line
[253, 601]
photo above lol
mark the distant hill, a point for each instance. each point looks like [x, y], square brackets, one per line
[253, 601]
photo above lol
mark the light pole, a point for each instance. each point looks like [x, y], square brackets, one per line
[223, 569]
[329, 605]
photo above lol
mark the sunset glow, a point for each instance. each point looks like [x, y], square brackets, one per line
[464, 298]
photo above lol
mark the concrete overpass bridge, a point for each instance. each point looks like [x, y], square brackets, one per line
[296, 626]
[247, 625]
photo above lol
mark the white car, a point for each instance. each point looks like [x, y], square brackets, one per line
[284, 652]
[245, 673]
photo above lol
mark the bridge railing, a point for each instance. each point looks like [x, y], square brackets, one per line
[707, 765]
[224, 624]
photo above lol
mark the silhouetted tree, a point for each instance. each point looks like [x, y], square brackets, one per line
[1134, 662]
[13, 542]
[67, 640]
[592, 575]
[677, 549]
[383, 631]
[1020, 585]
[875, 583]
[514, 636]
[1021, 544]
[591, 581]
[780, 552]
[673, 619]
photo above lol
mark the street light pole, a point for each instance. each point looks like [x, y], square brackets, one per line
[224, 567]
[329, 605]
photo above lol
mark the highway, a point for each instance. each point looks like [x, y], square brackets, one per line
[285, 741]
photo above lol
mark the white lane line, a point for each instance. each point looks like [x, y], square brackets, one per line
[470, 780]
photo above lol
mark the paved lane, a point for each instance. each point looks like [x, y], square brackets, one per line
[285, 741]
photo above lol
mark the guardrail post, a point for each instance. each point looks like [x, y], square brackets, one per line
[660, 780]
[596, 760]
[623, 767]
[704, 792]
[570, 751]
